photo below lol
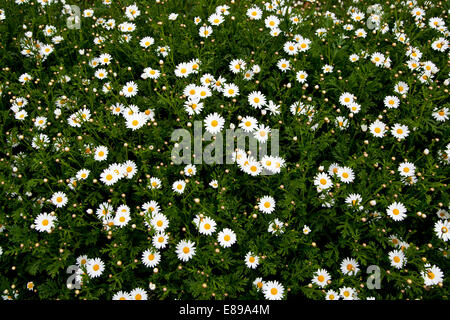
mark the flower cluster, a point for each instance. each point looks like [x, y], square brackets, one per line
[351, 98]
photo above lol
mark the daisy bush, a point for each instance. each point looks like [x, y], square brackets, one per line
[95, 205]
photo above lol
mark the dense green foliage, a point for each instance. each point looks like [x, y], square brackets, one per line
[309, 144]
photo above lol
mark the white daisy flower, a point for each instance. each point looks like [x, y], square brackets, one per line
[301, 76]
[135, 121]
[258, 283]
[256, 99]
[226, 237]
[346, 98]
[179, 186]
[129, 169]
[205, 31]
[138, 294]
[406, 169]
[159, 222]
[207, 226]
[345, 174]
[266, 204]
[377, 129]
[160, 240]
[396, 211]
[185, 250]
[150, 258]
[306, 229]
[214, 123]
[108, 177]
[248, 124]
[130, 89]
[95, 267]
[391, 102]
[432, 275]
[347, 293]
[321, 278]
[214, 183]
[59, 199]
[230, 90]
[155, 183]
[101, 153]
[273, 290]
[349, 266]
[400, 131]
[44, 222]
[251, 260]
[122, 295]
[261, 133]
[441, 228]
[122, 218]
[190, 170]
[397, 258]
[332, 295]
[146, 42]
[323, 181]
